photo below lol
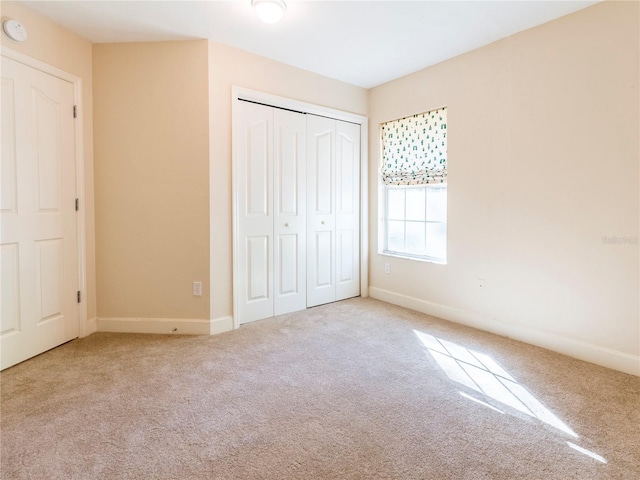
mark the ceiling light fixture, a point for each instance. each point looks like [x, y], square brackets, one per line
[269, 11]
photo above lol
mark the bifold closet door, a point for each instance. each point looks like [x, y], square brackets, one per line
[289, 227]
[270, 243]
[254, 170]
[347, 210]
[333, 223]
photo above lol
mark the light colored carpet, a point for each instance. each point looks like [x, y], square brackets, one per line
[353, 390]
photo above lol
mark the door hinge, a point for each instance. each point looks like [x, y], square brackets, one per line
[77, 204]
[79, 300]
[75, 111]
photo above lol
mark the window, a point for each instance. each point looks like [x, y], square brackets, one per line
[414, 173]
[416, 221]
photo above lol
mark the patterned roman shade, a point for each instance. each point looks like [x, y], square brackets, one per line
[414, 149]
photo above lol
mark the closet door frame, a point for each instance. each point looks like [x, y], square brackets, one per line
[239, 94]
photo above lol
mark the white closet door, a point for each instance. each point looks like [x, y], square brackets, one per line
[321, 241]
[39, 255]
[333, 219]
[294, 248]
[290, 233]
[254, 210]
[347, 210]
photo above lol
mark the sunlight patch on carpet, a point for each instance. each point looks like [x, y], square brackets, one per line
[588, 453]
[481, 373]
[465, 395]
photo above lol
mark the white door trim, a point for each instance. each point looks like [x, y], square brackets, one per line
[288, 103]
[79, 164]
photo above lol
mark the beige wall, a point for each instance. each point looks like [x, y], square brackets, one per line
[229, 66]
[151, 174]
[543, 161]
[57, 46]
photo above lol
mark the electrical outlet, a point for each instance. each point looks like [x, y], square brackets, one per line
[197, 289]
[387, 268]
[482, 283]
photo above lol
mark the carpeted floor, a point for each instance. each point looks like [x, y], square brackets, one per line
[352, 390]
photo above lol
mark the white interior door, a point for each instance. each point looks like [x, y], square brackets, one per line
[39, 258]
[333, 218]
[290, 232]
[253, 132]
[271, 211]
[321, 239]
[347, 210]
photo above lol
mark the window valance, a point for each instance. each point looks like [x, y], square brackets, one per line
[414, 149]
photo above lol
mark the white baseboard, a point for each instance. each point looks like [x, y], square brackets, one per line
[220, 325]
[154, 325]
[90, 327]
[603, 356]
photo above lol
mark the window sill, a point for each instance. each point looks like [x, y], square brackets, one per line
[437, 261]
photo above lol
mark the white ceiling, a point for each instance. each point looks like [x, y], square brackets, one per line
[365, 43]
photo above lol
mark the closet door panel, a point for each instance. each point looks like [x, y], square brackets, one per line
[254, 170]
[323, 179]
[321, 210]
[257, 258]
[257, 182]
[347, 216]
[288, 278]
[290, 265]
[345, 256]
[324, 260]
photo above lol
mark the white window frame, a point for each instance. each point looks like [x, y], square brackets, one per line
[385, 219]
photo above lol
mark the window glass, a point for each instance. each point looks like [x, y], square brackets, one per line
[416, 238]
[436, 240]
[395, 204]
[437, 204]
[395, 236]
[415, 204]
